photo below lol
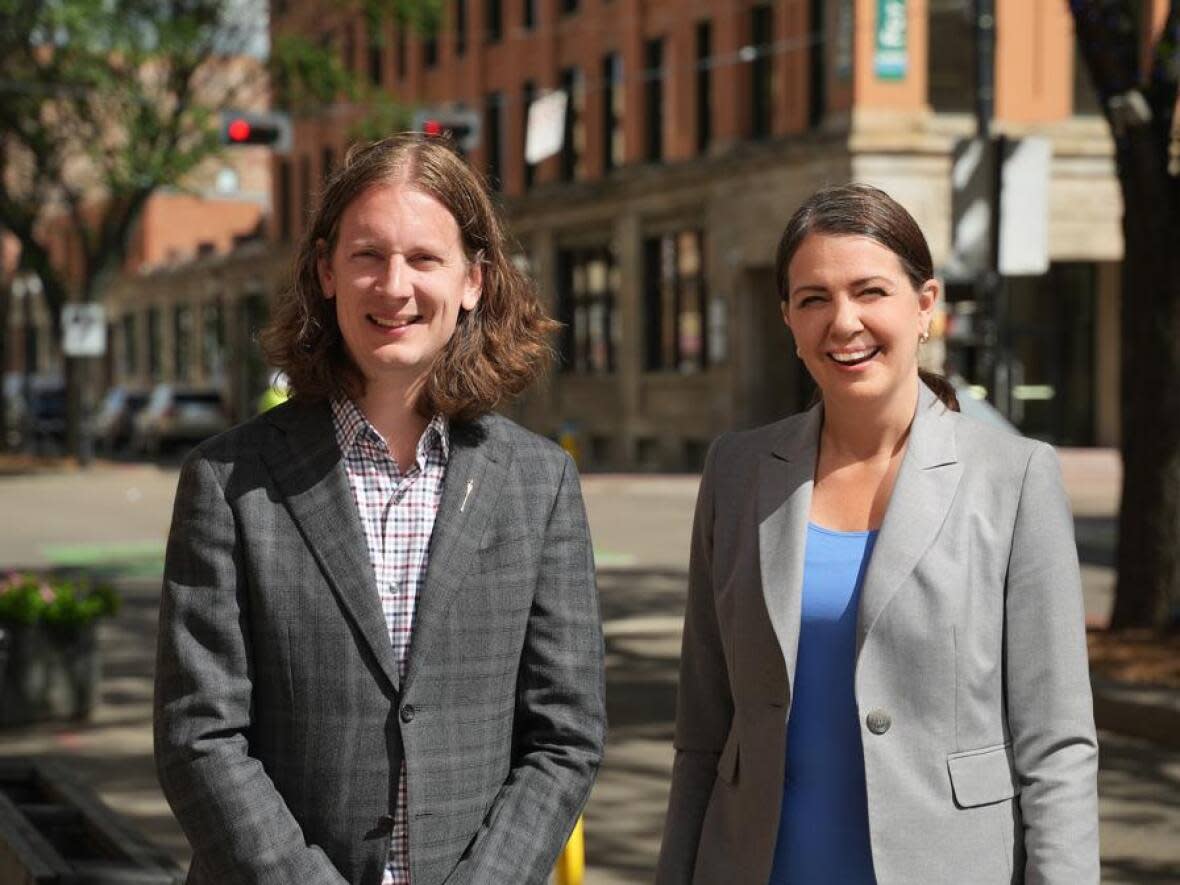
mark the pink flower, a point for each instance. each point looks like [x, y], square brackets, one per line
[47, 594]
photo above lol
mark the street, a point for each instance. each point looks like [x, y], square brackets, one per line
[115, 517]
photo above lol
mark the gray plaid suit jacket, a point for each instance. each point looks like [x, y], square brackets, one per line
[280, 721]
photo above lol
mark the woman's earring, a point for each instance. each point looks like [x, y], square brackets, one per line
[924, 337]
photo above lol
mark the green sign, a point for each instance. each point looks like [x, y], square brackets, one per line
[889, 51]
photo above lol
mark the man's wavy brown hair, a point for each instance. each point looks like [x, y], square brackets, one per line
[498, 348]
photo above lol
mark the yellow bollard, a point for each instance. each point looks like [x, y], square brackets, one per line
[571, 863]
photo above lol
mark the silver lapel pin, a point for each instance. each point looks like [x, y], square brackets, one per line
[466, 495]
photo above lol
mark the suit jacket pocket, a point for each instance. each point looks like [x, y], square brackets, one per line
[984, 776]
[727, 763]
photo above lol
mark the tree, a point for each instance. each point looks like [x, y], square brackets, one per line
[104, 102]
[1140, 109]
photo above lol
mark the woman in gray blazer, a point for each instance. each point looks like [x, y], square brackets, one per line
[883, 676]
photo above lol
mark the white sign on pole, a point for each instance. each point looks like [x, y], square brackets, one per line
[84, 330]
[1024, 208]
[546, 127]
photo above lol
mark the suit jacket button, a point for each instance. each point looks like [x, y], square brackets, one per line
[408, 713]
[878, 721]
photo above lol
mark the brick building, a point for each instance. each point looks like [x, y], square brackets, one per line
[694, 130]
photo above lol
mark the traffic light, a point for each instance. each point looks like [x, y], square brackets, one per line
[270, 129]
[458, 124]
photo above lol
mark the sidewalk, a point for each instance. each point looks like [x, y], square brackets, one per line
[641, 530]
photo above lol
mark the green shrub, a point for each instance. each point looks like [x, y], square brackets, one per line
[27, 598]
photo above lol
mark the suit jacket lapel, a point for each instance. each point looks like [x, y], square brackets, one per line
[475, 476]
[309, 473]
[922, 495]
[786, 478]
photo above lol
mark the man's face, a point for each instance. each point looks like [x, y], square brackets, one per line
[399, 278]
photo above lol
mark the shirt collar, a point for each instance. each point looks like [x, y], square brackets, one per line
[352, 427]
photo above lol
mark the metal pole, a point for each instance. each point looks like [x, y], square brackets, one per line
[28, 443]
[991, 365]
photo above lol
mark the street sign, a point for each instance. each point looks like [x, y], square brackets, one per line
[890, 53]
[84, 330]
[1024, 207]
[546, 127]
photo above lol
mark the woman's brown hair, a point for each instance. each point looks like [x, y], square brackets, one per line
[498, 348]
[860, 210]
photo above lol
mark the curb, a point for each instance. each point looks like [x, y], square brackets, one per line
[1148, 712]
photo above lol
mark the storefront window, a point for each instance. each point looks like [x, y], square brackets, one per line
[588, 285]
[678, 318]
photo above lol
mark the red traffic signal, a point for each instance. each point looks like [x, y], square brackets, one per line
[238, 131]
[458, 124]
[266, 129]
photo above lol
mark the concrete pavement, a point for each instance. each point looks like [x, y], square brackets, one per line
[118, 515]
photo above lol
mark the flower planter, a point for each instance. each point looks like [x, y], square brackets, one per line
[51, 673]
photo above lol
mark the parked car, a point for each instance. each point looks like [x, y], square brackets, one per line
[178, 415]
[973, 404]
[115, 420]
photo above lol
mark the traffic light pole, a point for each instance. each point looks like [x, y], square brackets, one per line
[992, 365]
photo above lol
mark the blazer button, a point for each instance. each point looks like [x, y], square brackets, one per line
[408, 713]
[878, 721]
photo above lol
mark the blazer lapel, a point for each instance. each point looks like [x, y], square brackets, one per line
[310, 475]
[922, 495]
[475, 476]
[786, 478]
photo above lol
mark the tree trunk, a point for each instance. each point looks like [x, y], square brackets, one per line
[1148, 589]
[5, 338]
[1140, 115]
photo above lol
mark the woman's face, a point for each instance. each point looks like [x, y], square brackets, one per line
[399, 278]
[855, 317]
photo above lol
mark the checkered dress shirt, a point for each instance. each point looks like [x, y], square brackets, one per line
[397, 508]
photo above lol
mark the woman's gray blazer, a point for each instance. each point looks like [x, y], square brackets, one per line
[971, 679]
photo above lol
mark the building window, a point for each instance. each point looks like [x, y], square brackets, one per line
[283, 200]
[403, 51]
[376, 58]
[528, 14]
[527, 94]
[951, 73]
[612, 111]
[704, 86]
[573, 145]
[817, 91]
[182, 337]
[568, 7]
[348, 47]
[212, 340]
[130, 351]
[493, 133]
[676, 324]
[1085, 96]
[588, 285]
[305, 185]
[155, 364]
[761, 71]
[430, 51]
[493, 21]
[327, 162]
[460, 27]
[653, 90]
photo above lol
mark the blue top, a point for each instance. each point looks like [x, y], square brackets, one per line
[823, 833]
